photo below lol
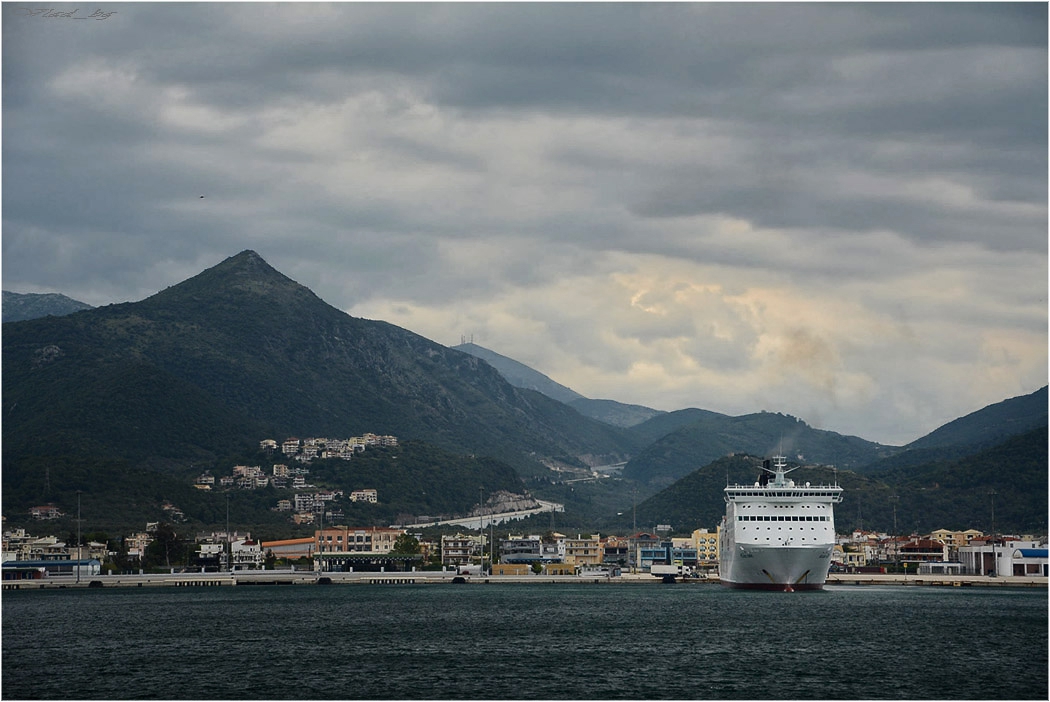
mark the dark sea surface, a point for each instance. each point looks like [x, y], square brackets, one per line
[528, 641]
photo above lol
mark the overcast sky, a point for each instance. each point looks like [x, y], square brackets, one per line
[835, 211]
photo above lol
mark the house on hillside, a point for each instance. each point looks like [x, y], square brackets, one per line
[45, 512]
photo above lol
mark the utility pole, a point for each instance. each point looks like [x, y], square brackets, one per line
[228, 551]
[78, 536]
[634, 510]
[481, 525]
[995, 561]
[896, 542]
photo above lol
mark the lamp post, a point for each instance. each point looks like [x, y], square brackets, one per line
[228, 551]
[78, 536]
[896, 541]
[995, 562]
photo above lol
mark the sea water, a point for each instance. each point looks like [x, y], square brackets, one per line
[525, 641]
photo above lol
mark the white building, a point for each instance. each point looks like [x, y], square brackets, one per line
[1011, 557]
[246, 553]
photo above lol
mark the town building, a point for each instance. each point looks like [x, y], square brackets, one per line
[342, 539]
[1005, 557]
[583, 550]
[459, 549]
[290, 548]
[706, 544]
[45, 512]
[667, 553]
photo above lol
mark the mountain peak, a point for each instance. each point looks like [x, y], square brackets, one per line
[247, 263]
[246, 258]
[237, 280]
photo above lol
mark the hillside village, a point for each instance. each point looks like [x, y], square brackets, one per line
[303, 506]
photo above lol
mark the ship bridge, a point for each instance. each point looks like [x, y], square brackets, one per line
[773, 484]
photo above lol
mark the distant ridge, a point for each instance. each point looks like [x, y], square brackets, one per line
[521, 376]
[991, 424]
[19, 307]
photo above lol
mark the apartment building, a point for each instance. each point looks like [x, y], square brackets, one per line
[584, 551]
[459, 549]
[956, 539]
[343, 539]
[706, 544]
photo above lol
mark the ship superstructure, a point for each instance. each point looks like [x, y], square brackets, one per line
[777, 535]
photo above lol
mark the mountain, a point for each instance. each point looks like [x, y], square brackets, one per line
[202, 371]
[712, 435]
[612, 412]
[955, 494]
[521, 376]
[18, 307]
[661, 425]
[962, 437]
[990, 425]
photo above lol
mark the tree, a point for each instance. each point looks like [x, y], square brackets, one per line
[166, 545]
[406, 543]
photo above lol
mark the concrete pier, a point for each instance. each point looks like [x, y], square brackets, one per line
[299, 577]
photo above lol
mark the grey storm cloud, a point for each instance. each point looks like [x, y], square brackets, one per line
[663, 203]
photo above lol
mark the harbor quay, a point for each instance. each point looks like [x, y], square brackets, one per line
[309, 577]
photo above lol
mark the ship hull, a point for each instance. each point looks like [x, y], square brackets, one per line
[775, 567]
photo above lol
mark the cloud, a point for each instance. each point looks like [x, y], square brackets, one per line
[835, 210]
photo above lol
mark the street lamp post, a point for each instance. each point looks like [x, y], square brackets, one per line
[78, 536]
[896, 541]
[228, 551]
[481, 525]
[995, 562]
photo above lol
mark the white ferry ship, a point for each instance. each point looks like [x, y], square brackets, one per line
[777, 535]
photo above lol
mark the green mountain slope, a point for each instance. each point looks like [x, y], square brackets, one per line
[964, 436]
[713, 436]
[618, 414]
[955, 494]
[991, 424]
[659, 426]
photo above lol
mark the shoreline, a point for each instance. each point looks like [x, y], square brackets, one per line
[289, 577]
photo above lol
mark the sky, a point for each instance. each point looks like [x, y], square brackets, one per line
[834, 211]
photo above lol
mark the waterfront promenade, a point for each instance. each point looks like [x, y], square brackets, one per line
[309, 577]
